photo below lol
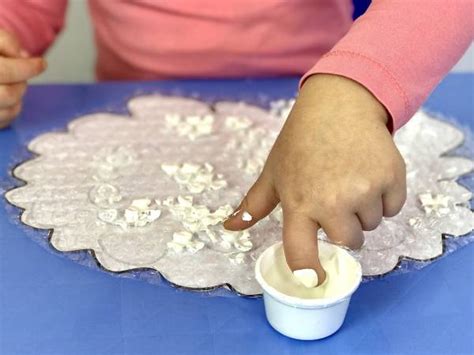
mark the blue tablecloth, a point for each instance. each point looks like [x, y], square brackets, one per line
[50, 305]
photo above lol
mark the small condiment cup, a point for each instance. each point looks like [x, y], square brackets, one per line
[302, 318]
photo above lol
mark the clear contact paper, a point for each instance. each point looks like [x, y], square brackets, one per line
[144, 195]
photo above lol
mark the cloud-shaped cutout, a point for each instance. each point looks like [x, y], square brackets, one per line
[82, 182]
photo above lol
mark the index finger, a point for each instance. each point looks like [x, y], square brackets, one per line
[14, 70]
[300, 243]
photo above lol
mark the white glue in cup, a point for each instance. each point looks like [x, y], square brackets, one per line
[302, 313]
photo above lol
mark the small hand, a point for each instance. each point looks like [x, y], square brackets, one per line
[15, 69]
[334, 166]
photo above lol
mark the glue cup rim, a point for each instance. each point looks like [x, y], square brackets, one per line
[304, 302]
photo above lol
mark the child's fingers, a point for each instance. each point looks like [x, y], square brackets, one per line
[300, 243]
[15, 70]
[370, 215]
[258, 203]
[11, 94]
[9, 46]
[344, 229]
[8, 114]
[394, 198]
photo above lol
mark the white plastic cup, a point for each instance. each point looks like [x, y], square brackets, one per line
[302, 318]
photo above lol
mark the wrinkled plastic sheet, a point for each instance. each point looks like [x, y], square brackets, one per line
[56, 195]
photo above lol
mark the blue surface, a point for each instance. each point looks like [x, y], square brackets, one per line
[360, 6]
[51, 305]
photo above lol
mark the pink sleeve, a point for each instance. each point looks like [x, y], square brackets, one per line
[35, 22]
[400, 50]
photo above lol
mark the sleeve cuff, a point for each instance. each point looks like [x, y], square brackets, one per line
[374, 76]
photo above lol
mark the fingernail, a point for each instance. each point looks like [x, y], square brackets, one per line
[307, 277]
[236, 212]
[230, 217]
[24, 54]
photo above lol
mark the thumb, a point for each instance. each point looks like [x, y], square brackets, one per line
[257, 204]
[300, 243]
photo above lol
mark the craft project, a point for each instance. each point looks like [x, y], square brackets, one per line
[150, 190]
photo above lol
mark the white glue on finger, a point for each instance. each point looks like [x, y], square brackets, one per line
[246, 217]
[306, 277]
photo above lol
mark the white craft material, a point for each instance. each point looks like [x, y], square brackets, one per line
[195, 178]
[184, 242]
[140, 213]
[307, 313]
[193, 126]
[435, 204]
[122, 185]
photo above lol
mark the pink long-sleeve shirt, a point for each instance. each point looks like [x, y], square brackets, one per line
[399, 49]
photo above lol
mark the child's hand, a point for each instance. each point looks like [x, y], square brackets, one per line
[15, 69]
[334, 166]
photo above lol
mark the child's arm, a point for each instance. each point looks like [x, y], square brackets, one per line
[334, 164]
[26, 28]
[400, 49]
